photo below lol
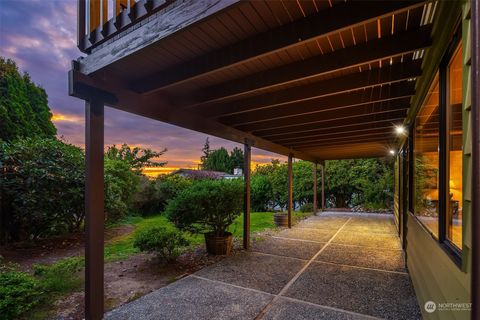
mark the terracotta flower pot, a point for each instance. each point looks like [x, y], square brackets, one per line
[219, 245]
[281, 219]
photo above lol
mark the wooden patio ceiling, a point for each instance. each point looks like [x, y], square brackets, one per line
[319, 79]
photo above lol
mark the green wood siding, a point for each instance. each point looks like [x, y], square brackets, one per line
[434, 274]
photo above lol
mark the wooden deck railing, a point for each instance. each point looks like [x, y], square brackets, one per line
[99, 20]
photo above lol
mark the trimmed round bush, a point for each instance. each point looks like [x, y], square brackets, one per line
[207, 206]
[166, 243]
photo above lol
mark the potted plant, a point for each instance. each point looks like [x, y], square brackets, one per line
[280, 219]
[209, 207]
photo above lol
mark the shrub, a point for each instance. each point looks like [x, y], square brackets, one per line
[261, 192]
[19, 292]
[61, 276]
[168, 187]
[121, 185]
[307, 207]
[41, 185]
[207, 206]
[166, 243]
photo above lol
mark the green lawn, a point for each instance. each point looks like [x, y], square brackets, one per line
[122, 247]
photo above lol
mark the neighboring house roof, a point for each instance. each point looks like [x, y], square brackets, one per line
[202, 174]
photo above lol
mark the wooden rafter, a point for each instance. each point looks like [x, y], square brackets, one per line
[295, 33]
[361, 80]
[401, 103]
[361, 54]
[340, 102]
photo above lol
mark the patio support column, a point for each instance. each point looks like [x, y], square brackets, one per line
[323, 186]
[290, 187]
[315, 191]
[246, 195]
[94, 209]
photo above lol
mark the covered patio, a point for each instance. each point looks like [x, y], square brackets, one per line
[333, 266]
[312, 80]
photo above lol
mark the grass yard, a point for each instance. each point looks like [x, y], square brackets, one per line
[122, 247]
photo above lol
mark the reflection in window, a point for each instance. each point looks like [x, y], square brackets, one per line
[426, 160]
[454, 154]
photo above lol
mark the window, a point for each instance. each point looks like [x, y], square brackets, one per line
[436, 160]
[454, 149]
[426, 160]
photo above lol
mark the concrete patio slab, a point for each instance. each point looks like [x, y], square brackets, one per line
[286, 309]
[322, 222]
[377, 293]
[373, 240]
[286, 247]
[254, 270]
[313, 234]
[381, 258]
[193, 298]
[365, 227]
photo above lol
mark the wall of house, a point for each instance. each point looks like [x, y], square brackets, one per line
[435, 275]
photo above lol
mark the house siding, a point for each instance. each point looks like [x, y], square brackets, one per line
[435, 275]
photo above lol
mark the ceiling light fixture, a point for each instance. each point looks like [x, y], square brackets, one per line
[400, 130]
[392, 152]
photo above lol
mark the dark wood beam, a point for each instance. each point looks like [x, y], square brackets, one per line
[293, 34]
[327, 116]
[323, 186]
[290, 189]
[346, 142]
[315, 206]
[371, 136]
[247, 153]
[94, 209]
[360, 80]
[371, 51]
[334, 135]
[323, 105]
[156, 107]
[332, 128]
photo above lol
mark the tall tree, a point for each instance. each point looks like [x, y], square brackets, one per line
[218, 160]
[236, 159]
[206, 152]
[24, 110]
[137, 158]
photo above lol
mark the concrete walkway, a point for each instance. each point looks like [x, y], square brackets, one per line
[333, 266]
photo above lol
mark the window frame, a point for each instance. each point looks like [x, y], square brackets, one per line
[444, 146]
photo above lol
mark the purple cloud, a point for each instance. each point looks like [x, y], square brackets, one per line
[41, 37]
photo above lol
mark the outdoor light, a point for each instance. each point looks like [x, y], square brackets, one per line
[392, 152]
[400, 130]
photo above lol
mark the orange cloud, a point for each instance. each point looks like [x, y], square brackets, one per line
[59, 117]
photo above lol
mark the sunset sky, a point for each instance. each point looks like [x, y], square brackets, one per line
[40, 36]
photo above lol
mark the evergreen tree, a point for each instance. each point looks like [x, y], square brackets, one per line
[236, 159]
[206, 152]
[218, 160]
[24, 110]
